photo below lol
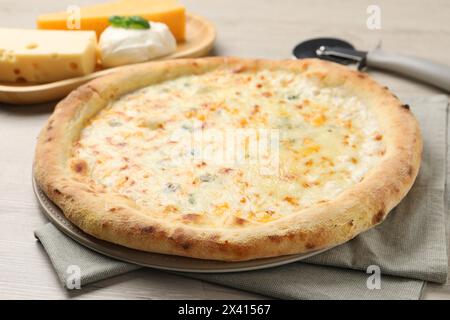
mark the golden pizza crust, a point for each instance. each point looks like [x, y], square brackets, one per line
[355, 210]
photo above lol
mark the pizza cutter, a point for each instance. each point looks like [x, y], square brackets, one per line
[343, 52]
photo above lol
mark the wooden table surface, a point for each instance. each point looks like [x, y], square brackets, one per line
[250, 28]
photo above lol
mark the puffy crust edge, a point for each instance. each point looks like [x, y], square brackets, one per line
[357, 209]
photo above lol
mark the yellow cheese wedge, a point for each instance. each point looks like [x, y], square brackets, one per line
[45, 55]
[95, 17]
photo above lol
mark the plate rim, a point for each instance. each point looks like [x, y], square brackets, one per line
[57, 218]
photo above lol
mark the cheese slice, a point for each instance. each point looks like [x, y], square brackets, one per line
[95, 17]
[45, 56]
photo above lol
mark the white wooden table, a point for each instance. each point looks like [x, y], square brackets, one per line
[251, 28]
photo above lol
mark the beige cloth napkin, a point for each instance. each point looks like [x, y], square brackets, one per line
[410, 247]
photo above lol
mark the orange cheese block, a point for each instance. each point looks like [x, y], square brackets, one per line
[95, 17]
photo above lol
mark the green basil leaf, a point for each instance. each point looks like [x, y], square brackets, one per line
[117, 21]
[131, 22]
[137, 22]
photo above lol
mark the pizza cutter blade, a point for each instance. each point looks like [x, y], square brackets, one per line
[342, 52]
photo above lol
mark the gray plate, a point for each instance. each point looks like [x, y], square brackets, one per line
[155, 260]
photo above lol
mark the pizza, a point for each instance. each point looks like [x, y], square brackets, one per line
[227, 158]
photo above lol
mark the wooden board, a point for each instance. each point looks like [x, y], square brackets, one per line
[200, 36]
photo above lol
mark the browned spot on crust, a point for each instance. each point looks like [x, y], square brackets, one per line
[362, 75]
[405, 106]
[310, 245]
[186, 245]
[148, 229]
[49, 139]
[223, 247]
[235, 250]
[56, 191]
[350, 223]
[181, 239]
[106, 224]
[378, 217]
[275, 238]
[79, 166]
[410, 171]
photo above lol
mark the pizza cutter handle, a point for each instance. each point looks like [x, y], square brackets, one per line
[420, 69]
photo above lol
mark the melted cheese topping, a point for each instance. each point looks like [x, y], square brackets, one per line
[326, 141]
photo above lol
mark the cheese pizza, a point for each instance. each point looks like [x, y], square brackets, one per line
[227, 158]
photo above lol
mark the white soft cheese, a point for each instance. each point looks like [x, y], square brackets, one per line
[119, 46]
